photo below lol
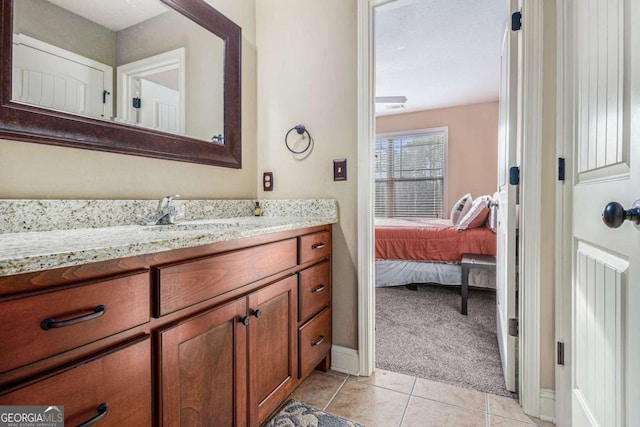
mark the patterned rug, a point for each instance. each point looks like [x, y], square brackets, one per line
[298, 414]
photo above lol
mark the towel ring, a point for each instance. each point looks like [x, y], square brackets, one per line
[300, 129]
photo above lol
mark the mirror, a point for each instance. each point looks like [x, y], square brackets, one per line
[157, 78]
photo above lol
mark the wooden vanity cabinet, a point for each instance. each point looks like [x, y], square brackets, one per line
[218, 335]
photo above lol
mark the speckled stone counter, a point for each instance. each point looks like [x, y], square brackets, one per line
[39, 235]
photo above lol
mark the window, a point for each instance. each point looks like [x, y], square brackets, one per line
[410, 173]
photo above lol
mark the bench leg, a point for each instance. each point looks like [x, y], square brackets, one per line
[465, 289]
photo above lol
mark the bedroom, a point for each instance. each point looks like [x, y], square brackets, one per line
[437, 147]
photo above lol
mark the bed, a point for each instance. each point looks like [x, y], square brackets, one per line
[418, 250]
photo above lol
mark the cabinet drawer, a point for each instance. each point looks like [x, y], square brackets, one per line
[120, 379]
[37, 327]
[314, 290]
[314, 246]
[185, 284]
[314, 342]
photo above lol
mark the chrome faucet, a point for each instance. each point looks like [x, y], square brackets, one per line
[165, 214]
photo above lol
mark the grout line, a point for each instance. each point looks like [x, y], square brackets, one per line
[406, 408]
[487, 416]
[336, 393]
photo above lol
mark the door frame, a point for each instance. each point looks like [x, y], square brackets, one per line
[564, 137]
[127, 73]
[531, 139]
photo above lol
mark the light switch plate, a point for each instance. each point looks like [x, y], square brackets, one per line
[340, 170]
[267, 181]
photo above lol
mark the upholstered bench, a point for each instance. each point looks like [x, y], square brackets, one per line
[475, 261]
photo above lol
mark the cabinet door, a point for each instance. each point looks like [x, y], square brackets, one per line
[272, 347]
[203, 369]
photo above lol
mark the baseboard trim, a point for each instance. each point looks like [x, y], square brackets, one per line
[548, 405]
[345, 360]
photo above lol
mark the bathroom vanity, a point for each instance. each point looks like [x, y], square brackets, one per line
[206, 323]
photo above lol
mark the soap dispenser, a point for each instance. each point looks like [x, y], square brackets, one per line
[258, 210]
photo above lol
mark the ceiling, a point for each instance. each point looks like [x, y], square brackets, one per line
[438, 53]
[115, 15]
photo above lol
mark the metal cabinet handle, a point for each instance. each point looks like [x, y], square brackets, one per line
[318, 342]
[318, 246]
[244, 320]
[614, 214]
[318, 289]
[257, 313]
[103, 409]
[51, 323]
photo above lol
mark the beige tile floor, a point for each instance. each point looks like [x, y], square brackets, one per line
[388, 399]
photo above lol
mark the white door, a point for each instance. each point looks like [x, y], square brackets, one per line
[603, 74]
[160, 107]
[506, 211]
[48, 76]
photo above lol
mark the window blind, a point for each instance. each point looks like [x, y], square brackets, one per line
[410, 175]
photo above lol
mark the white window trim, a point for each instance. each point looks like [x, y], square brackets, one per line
[445, 169]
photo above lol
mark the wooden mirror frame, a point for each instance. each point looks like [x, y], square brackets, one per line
[30, 123]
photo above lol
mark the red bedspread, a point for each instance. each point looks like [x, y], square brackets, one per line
[430, 240]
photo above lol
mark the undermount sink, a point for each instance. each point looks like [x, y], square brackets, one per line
[218, 224]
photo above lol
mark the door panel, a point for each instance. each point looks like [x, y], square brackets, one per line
[600, 281]
[59, 80]
[506, 211]
[604, 78]
[203, 369]
[272, 346]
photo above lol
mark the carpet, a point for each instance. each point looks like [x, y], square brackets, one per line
[422, 333]
[298, 414]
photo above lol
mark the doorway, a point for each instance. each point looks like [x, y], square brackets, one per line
[529, 367]
[420, 173]
[152, 92]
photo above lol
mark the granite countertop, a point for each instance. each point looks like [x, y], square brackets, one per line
[31, 251]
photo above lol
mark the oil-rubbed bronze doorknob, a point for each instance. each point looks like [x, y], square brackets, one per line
[614, 214]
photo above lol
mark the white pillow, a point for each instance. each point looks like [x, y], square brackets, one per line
[460, 209]
[477, 215]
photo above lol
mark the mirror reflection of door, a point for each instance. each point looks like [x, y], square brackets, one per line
[151, 92]
[48, 76]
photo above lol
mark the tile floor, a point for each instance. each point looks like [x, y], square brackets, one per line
[388, 399]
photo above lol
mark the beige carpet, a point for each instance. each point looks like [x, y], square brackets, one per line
[422, 333]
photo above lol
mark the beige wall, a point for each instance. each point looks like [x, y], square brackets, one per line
[307, 74]
[473, 145]
[29, 170]
[64, 29]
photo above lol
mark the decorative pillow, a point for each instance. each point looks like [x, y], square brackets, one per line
[477, 215]
[461, 207]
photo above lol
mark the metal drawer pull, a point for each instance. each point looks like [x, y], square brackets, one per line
[318, 246]
[314, 343]
[51, 323]
[103, 409]
[318, 289]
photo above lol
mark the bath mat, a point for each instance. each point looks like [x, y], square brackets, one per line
[298, 414]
